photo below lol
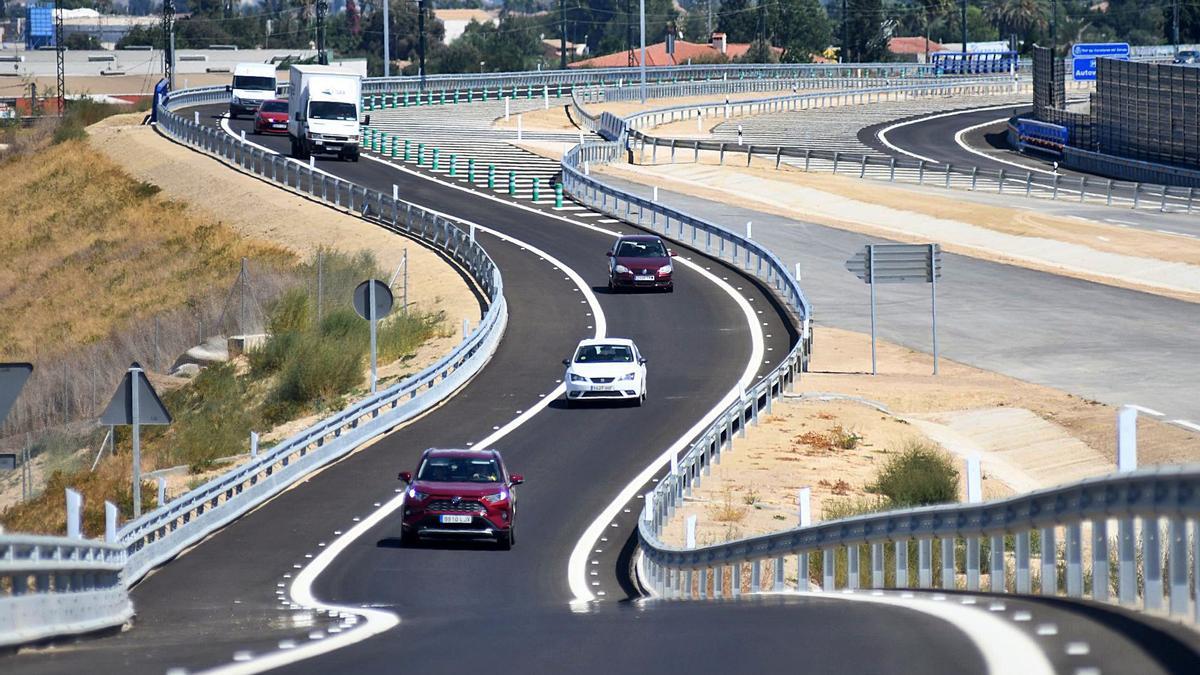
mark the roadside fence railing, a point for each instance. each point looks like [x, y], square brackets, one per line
[42, 608]
[1040, 184]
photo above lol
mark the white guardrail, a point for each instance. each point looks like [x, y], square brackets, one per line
[57, 586]
[1142, 527]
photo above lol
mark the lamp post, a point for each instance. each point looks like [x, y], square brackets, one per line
[387, 47]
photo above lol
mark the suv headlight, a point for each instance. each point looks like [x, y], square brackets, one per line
[578, 378]
[665, 269]
[627, 377]
[498, 497]
[621, 269]
[414, 494]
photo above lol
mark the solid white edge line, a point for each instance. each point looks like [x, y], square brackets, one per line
[1004, 647]
[882, 133]
[1148, 411]
[377, 621]
[958, 138]
[1191, 426]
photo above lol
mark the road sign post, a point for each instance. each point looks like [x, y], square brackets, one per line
[373, 301]
[136, 403]
[899, 263]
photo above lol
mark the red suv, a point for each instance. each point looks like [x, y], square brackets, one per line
[640, 261]
[272, 117]
[460, 493]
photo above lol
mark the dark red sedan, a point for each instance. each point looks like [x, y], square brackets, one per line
[640, 261]
[272, 117]
[461, 493]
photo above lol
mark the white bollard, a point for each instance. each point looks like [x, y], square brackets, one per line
[749, 223]
[699, 120]
[197, 117]
[739, 134]
[506, 109]
[674, 464]
[655, 198]
[805, 501]
[797, 271]
[649, 510]
[312, 162]
[974, 480]
[243, 135]
[545, 98]
[74, 511]
[395, 192]
[253, 444]
[466, 329]
[1127, 438]
[110, 522]
[691, 532]
[472, 231]
[162, 491]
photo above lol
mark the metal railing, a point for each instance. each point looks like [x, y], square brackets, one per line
[1028, 183]
[52, 585]
[1134, 559]
[159, 535]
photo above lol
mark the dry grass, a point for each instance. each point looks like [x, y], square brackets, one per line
[87, 250]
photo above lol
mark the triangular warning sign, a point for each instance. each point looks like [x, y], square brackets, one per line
[149, 406]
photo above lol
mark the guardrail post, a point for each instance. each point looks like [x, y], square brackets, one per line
[949, 168]
[1000, 184]
[719, 581]
[1137, 194]
[1152, 593]
[1082, 188]
[948, 564]
[852, 572]
[110, 522]
[974, 177]
[1108, 197]
[1049, 562]
[807, 157]
[837, 156]
[1177, 570]
[1075, 560]
[1024, 582]
[1162, 207]
[828, 573]
[491, 178]
[1191, 196]
[74, 511]
[877, 564]
[722, 155]
[901, 550]
[756, 576]
[1054, 194]
[921, 172]
[512, 183]
[1101, 576]
[1028, 182]
[891, 169]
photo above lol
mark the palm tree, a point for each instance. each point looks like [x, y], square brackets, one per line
[1016, 16]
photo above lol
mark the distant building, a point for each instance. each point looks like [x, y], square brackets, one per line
[685, 52]
[913, 48]
[551, 49]
[457, 20]
[108, 29]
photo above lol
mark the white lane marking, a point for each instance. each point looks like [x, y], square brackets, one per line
[1186, 424]
[378, 621]
[1005, 648]
[882, 133]
[576, 577]
[958, 139]
[1148, 411]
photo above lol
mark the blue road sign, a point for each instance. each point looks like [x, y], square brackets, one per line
[1083, 66]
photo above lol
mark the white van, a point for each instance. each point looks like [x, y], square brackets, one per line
[253, 83]
[324, 108]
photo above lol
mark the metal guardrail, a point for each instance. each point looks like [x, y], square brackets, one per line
[1046, 185]
[998, 538]
[602, 94]
[629, 76]
[53, 585]
[107, 570]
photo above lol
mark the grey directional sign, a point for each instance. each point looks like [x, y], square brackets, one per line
[383, 299]
[150, 409]
[12, 379]
[897, 263]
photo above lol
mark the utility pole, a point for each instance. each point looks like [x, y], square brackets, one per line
[387, 46]
[845, 53]
[642, 68]
[62, 72]
[168, 29]
[562, 41]
[421, 39]
[964, 29]
[1175, 25]
[629, 32]
[708, 3]
[322, 56]
[1054, 28]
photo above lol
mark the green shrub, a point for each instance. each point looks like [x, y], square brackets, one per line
[399, 337]
[317, 371]
[920, 474]
[289, 313]
[212, 419]
[271, 356]
[344, 324]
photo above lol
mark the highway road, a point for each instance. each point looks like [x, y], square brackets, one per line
[466, 606]
[935, 137]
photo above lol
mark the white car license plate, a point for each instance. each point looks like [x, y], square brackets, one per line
[464, 520]
[604, 387]
[279, 126]
[643, 277]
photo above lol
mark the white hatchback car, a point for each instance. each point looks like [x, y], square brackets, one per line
[608, 368]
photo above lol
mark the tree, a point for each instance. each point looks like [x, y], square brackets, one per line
[801, 27]
[759, 52]
[1020, 17]
[738, 20]
[81, 41]
[868, 31]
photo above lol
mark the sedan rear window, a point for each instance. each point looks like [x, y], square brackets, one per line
[641, 249]
[604, 354]
[459, 470]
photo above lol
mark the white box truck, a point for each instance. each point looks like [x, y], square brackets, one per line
[324, 106]
[253, 83]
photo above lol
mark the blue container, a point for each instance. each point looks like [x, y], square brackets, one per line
[39, 26]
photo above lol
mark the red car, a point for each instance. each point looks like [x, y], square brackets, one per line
[460, 493]
[640, 261]
[272, 117]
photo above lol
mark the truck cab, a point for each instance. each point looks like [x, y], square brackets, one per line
[253, 83]
[324, 106]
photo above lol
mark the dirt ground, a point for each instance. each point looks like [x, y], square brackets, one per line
[754, 489]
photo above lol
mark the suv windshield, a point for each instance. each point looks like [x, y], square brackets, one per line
[331, 110]
[459, 470]
[604, 354]
[256, 83]
[274, 106]
[641, 249]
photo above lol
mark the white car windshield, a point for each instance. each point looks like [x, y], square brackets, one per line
[604, 354]
[641, 249]
[459, 470]
[331, 110]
